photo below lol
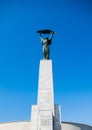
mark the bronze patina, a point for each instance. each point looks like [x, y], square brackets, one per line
[46, 41]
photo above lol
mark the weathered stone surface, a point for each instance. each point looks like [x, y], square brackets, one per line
[26, 125]
[57, 117]
[34, 117]
[45, 120]
[42, 113]
[45, 86]
[46, 115]
[16, 126]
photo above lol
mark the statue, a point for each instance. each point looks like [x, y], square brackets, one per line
[46, 41]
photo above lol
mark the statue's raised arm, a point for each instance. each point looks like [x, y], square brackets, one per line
[46, 41]
[41, 38]
[51, 36]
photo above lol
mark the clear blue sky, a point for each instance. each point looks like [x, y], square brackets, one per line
[21, 51]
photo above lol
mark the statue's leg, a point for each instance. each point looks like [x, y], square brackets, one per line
[46, 52]
[47, 56]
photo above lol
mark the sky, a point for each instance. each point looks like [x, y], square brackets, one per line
[21, 52]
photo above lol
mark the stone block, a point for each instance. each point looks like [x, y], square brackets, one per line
[45, 120]
[45, 86]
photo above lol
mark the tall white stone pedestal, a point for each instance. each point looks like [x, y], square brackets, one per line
[45, 86]
[45, 115]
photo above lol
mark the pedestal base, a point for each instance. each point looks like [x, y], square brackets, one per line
[44, 119]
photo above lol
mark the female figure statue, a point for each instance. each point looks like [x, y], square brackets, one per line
[46, 45]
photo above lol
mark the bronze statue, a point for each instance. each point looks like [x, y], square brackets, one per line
[46, 41]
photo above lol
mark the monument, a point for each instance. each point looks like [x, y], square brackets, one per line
[45, 115]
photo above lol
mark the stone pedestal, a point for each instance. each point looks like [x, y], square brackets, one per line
[45, 115]
[45, 86]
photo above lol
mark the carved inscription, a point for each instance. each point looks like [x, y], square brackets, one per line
[45, 119]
